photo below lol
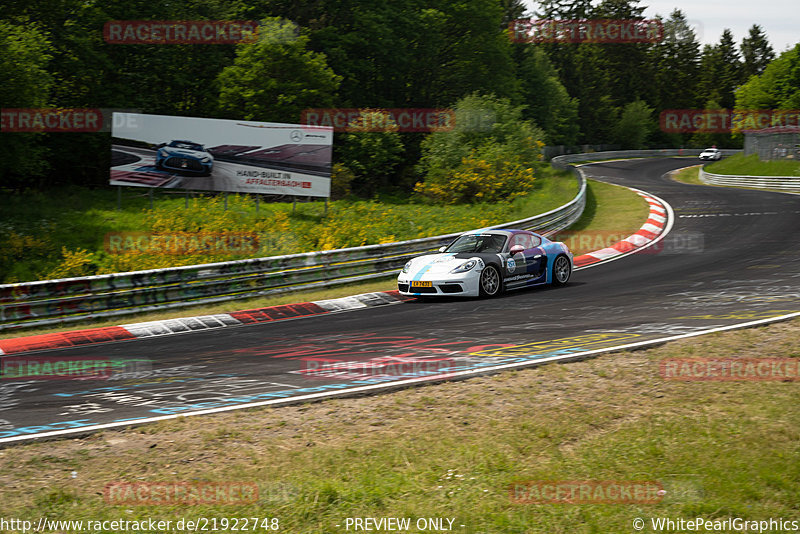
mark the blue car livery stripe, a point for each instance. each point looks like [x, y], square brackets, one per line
[428, 266]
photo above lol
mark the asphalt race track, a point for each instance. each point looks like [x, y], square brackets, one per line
[731, 257]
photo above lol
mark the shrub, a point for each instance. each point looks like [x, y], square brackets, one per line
[489, 159]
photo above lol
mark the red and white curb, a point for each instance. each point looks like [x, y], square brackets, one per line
[656, 227]
[658, 224]
[127, 332]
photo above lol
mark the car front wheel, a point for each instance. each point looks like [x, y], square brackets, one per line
[490, 282]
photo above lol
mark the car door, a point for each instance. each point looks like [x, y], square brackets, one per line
[536, 264]
[525, 267]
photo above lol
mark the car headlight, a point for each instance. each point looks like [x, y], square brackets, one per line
[464, 267]
[206, 159]
[407, 267]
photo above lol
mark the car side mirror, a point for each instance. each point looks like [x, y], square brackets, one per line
[516, 249]
[442, 249]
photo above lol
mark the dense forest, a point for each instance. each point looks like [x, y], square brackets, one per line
[368, 54]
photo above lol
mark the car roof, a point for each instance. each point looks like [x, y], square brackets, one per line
[500, 232]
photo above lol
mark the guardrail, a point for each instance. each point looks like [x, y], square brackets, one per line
[560, 162]
[71, 299]
[787, 183]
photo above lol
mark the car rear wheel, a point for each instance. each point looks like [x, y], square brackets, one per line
[561, 271]
[490, 282]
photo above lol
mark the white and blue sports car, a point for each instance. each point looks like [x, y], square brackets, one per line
[487, 262]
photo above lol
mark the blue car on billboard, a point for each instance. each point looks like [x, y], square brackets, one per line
[185, 156]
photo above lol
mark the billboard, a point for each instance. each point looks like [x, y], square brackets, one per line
[220, 155]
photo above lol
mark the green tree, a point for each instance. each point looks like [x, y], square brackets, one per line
[25, 52]
[720, 71]
[596, 109]
[634, 125]
[629, 65]
[371, 156]
[512, 10]
[564, 57]
[479, 57]
[415, 53]
[276, 77]
[495, 159]
[564, 9]
[87, 72]
[706, 139]
[778, 87]
[756, 52]
[546, 101]
[677, 61]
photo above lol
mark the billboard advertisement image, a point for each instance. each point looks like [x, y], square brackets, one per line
[220, 155]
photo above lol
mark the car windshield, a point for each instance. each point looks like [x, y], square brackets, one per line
[189, 146]
[491, 243]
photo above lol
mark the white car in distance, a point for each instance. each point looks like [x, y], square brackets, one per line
[711, 154]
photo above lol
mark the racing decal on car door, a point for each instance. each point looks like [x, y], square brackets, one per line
[525, 267]
[511, 265]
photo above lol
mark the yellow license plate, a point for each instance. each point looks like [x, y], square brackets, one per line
[419, 283]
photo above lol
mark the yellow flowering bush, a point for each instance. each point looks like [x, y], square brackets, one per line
[479, 180]
[73, 263]
[35, 250]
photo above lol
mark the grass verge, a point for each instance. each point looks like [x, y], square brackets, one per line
[752, 166]
[610, 211]
[77, 232]
[719, 449]
[691, 175]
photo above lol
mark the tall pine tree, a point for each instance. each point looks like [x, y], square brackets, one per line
[756, 52]
[720, 72]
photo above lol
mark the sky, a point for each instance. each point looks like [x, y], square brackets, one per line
[779, 19]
